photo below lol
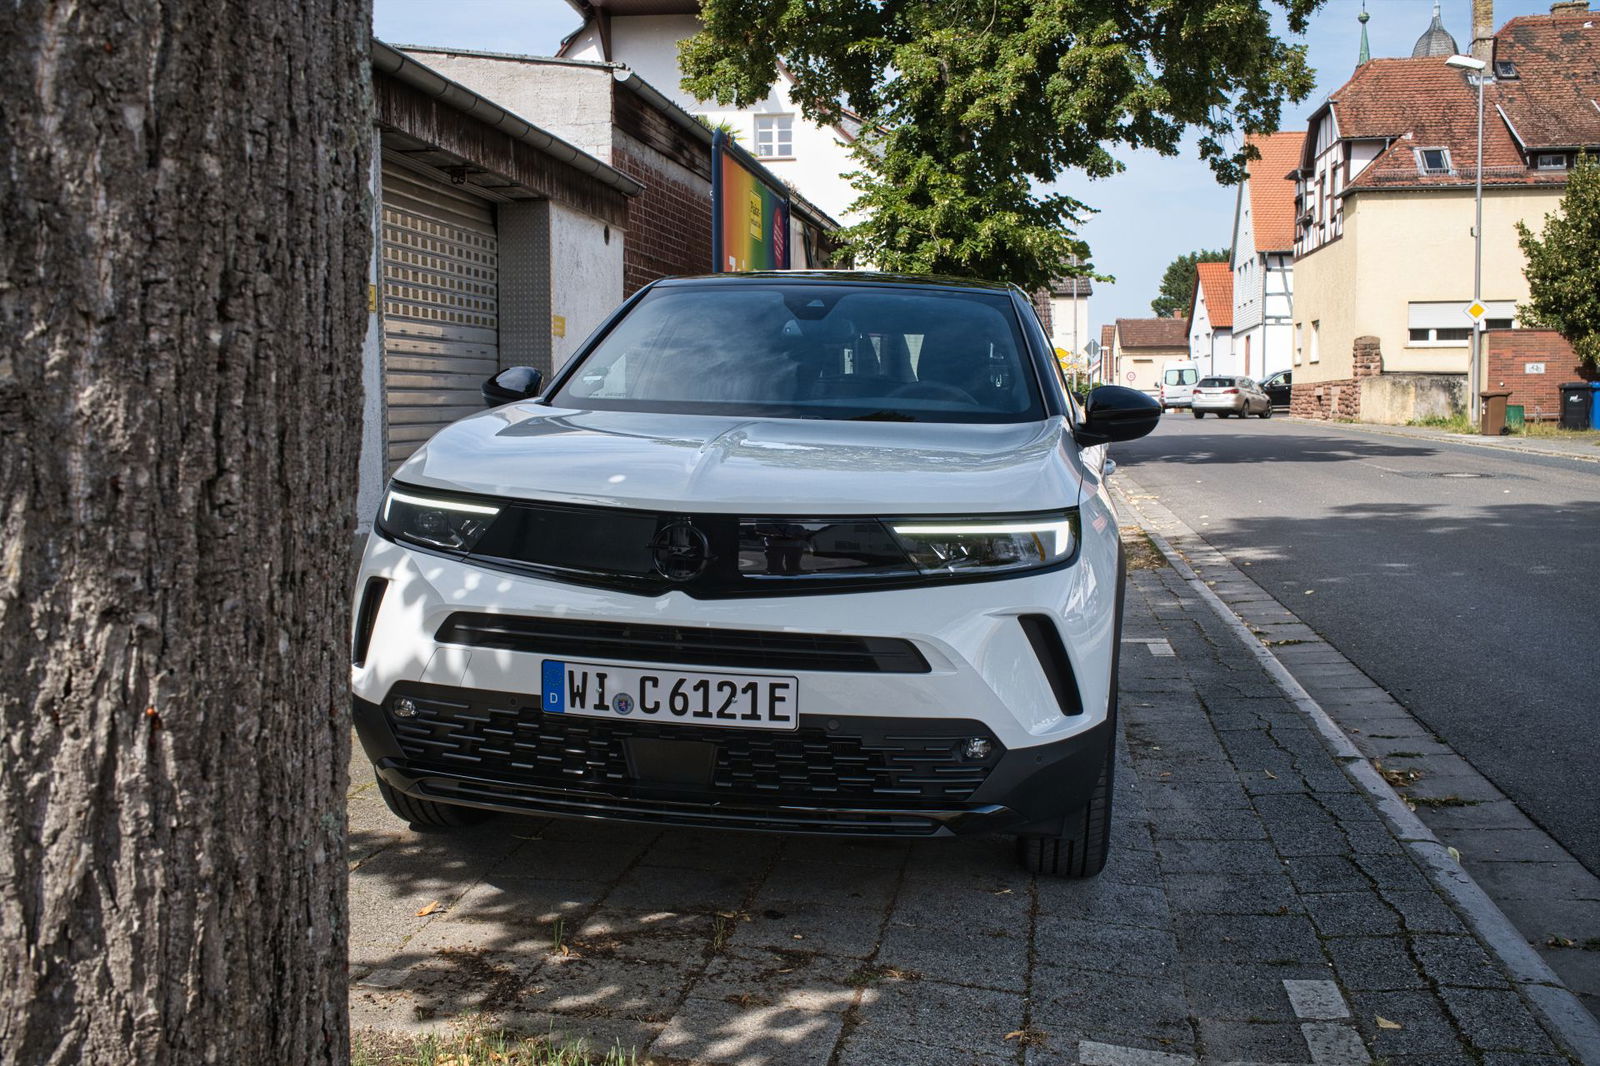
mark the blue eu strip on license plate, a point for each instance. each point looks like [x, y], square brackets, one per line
[555, 686]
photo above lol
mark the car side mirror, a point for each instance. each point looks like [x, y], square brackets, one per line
[512, 384]
[1113, 413]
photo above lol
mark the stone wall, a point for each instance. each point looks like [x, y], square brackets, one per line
[1341, 399]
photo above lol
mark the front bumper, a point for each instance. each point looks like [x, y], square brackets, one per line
[865, 776]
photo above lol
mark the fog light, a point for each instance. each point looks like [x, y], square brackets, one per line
[976, 748]
[404, 708]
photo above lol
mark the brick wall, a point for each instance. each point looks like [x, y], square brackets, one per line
[669, 224]
[1341, 399]
[1509, 353]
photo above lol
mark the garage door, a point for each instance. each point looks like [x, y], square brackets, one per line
[440, 313]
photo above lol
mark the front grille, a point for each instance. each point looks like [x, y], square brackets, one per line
[880, 762]
[732, 648]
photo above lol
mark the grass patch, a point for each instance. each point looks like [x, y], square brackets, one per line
[1140, 551]
[1458, 423]
[1441, 801]
[477, 1045]
[1553, 431]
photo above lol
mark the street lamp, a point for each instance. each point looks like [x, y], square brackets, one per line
[1475, 66]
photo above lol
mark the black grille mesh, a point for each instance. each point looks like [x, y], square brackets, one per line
[886, 764]
[685, 645]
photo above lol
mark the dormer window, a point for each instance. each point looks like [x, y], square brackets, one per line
[1550, 161]
[1505, 69]
[1433, 161]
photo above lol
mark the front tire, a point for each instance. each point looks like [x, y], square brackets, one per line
[1199, 414]
[1081, 851]
[426, 814]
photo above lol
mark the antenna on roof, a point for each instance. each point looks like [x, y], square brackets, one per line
[1366, 51]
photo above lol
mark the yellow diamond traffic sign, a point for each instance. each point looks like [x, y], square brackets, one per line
[1475, 310]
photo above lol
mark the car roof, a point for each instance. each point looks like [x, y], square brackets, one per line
[839, 277]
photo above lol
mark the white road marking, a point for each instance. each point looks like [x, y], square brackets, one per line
[1333, 1044]
[1091, 1053]
[1316, 1000]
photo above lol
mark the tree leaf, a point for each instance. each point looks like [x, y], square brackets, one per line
[430, 908]
[1385, 1023]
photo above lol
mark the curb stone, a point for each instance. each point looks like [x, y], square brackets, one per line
[1530, 974]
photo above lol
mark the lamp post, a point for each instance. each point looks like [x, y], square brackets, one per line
[1474, 371]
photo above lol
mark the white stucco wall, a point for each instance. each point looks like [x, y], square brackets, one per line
[648, 44]
[585, 277]
[1069, 324]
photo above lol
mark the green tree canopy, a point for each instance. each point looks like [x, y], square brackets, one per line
[972, 108]
[1562, 279]
[1177, 283]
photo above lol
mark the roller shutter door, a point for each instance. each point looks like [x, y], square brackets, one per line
[440, 307]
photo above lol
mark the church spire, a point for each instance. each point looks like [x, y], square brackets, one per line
[1366, 50]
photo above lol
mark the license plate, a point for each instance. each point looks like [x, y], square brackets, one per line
[742, 701]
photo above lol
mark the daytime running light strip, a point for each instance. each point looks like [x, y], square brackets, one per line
[443, 505]
[1062, 530]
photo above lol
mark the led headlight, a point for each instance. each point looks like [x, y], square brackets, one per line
[988, 545]
[434, 521]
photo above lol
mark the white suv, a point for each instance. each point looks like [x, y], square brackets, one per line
[821, 552]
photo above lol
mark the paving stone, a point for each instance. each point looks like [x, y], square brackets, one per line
[1073, 944]
[1497, 814]
[1496, 1020]
[868, 1047]
[1232, 894]
[1171, 824]
[1373, 964]
[1316, 1000]
[1423, 911]
[656, 888]
[1250, 858]
[792, 979]
[1326, 873]
[938, 1015]
[725, 852]
[525, 902]
[1112, 902]
[598, 1036]
[846, 886]
[620, 988]
[1251, 1041]
[977, 952]
[845, 851]
[1511, 1058]
[1425, 1028]
[1535, 880]
[1088, 1001]
[1334, 1044]
[1508, 845]
[1253, 938]
[576, 860]
[1241, 991]
[1457, 960]
[1350, 914]
[812, 926]
[726, 1034]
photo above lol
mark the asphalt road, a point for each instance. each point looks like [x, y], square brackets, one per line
[1462, 579]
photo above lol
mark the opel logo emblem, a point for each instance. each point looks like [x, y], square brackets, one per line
[680, 551]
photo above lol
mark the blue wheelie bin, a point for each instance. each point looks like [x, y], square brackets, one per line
[1594, 409]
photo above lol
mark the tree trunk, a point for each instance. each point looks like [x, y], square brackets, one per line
[184, 232]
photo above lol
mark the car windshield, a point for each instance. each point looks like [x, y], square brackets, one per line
[1218, 383]
[882, 353]
[1180, 377]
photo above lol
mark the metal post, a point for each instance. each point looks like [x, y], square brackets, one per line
[1475, 377]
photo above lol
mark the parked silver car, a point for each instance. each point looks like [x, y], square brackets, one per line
[1224, 396]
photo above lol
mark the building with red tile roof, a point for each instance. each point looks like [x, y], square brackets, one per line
[1142, 346]
[1210, 320]
[1384, 210]
[1263, 258]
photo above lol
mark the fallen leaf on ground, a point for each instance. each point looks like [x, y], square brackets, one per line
[429, 909]
[1385, 1023]
[1454, 854]
[1270, 775]
[1556, 940]
[1001, 892]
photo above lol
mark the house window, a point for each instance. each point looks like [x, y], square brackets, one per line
[1505, 69]
[775, 136]
[1444, 323]
[1299, 342]
[1433, 160]
[1316, 342]
[1550, 161]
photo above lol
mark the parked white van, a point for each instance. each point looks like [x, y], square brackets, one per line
[1177, 384]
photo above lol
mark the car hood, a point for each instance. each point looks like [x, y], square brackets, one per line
[681, 462]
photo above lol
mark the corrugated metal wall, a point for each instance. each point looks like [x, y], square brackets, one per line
[440, 306]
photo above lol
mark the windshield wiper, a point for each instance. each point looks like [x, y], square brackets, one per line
[883, 416]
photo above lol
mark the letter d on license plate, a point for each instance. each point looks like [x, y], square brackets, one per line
[739, 701]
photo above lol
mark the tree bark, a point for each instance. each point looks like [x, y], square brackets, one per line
[184, 232]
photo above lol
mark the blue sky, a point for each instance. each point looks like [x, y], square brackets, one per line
[1157, 209]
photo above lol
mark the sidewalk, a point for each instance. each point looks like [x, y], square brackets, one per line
[1256, 909]
[1586, 448]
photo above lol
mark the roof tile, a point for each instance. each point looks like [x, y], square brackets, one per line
[1153, 332]
[1272, 190]
[1215, 280]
